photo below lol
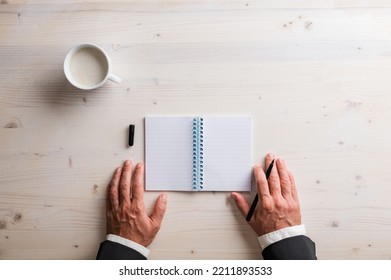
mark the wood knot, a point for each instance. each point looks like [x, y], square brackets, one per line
[14, 123]
[335, 224]
[308, 25]
[3, 225]
[11, 125]
[17, 217]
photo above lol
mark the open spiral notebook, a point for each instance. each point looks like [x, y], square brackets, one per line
[198, 153]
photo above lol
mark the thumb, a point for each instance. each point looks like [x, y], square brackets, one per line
[160, 209]
[241, 202]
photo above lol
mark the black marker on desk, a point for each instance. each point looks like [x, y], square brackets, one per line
[252, 208]
[131, 134]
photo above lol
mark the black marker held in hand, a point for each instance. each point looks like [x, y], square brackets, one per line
[254, 204]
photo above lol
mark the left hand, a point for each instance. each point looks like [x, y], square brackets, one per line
[125, 211]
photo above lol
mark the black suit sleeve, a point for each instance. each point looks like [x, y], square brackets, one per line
[292, 248]
[110, 250]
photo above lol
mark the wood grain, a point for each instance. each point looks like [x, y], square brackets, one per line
[313, 74]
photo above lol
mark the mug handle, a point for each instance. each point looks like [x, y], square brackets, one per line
[115, 78]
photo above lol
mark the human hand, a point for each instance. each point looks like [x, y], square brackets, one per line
[278, 205]
[125, 211]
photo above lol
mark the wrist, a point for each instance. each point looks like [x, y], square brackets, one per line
[277, 235]
[129, 243]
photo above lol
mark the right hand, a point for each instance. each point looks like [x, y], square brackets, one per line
[278, 206]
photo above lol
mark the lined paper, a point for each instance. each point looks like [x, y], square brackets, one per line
[227, 153]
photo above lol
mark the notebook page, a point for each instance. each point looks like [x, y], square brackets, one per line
[168, 154]
[227, 153]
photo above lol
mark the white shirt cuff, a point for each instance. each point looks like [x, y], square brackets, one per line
[275, 236]
[129, 243]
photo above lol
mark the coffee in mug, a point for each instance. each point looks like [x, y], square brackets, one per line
[87, 67]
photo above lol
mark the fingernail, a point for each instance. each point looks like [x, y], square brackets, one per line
[127, 162]
[233, 195]
[163, 197]
[139, 165]
[270, 156]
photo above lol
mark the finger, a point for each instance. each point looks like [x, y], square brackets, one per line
[293, 186]
[274, 180]
[112, 201]
[124, 185]
[137, 186]
[241, 203]
[284, 178]
[261, 182]
[159, 210]
[268, 160]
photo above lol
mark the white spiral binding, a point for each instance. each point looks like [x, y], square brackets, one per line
[198, 154]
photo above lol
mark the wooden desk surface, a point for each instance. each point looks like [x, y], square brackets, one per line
[315, 76]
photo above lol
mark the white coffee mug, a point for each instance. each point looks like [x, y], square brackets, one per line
[88, 67]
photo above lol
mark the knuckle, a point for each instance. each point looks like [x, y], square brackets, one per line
[156, 227]
[113, 190]
[266, 203]
[273, 178]
[285, 181]
[125, 207]
[161, 208]
[123, 185]
[281, 204]
[137, 184]
[137, 210]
